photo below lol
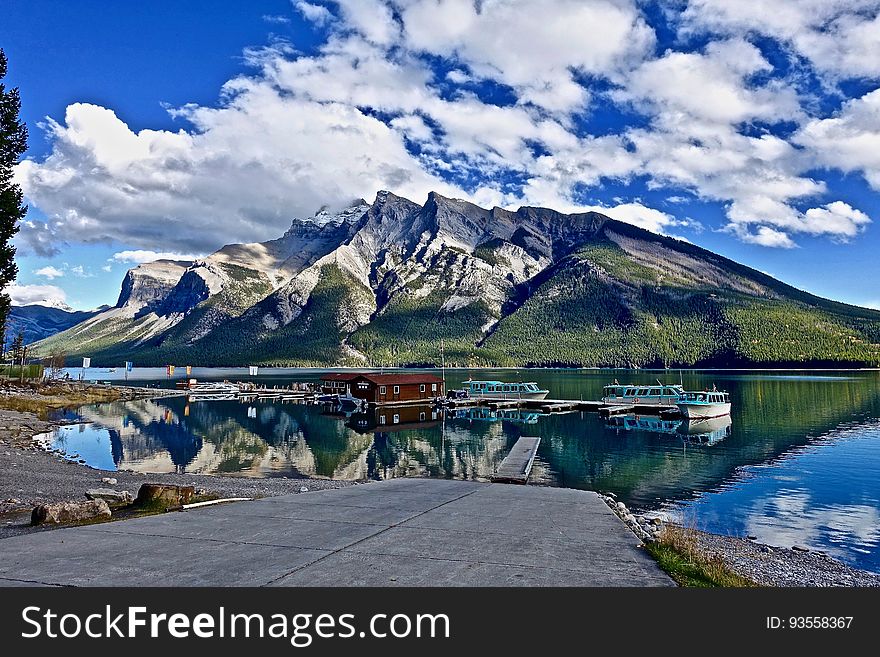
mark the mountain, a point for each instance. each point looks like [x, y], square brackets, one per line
[384, 283]
[36, 321]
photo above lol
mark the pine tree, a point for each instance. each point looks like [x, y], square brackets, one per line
[13, 143]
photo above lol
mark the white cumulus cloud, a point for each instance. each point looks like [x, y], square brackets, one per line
[850, 140]
[317, 14]
[49, 272]
[140, 256]
[840, 39]
[44, 295]
[367, 110]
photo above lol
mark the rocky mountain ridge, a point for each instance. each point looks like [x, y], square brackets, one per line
[384, 283]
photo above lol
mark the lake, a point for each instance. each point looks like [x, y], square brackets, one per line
[797, 462]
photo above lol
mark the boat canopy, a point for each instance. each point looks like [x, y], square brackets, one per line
[712, 397]
[642, 391]
[501, 386]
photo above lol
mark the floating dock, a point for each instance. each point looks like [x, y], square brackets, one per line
[301, 393]
[564, 406]
[517, 465]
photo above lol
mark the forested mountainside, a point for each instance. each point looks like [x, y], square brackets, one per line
[383, 283]
[36, 321]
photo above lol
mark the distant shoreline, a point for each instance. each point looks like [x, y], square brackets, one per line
[180, 369]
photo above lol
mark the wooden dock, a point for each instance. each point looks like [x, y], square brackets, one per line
[517, 465]
[302, 393]
[547, 406]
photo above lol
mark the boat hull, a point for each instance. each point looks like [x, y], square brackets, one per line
[703, 411]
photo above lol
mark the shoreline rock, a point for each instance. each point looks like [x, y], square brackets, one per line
[63, 513]
[110, 496]
[164, 496]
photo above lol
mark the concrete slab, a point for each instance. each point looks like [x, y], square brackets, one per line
[551, 523]
[284, 532]
[379, 570]
[21, 583]
[578, 555]
[380, 498]
[80, 557]
[404, 532]
[309, 511]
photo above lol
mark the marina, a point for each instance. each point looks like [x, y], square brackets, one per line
[774, 471]
[355, 389]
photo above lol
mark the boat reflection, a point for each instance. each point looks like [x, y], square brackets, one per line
[489, 415]
[708, 431]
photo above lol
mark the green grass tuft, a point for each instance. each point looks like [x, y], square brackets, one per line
[678, 553]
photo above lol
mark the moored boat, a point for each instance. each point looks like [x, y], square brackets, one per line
[624, 395]
[503, 390]
[704, 405]
[210, 390]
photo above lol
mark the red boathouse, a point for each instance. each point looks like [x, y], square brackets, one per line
[391, 388]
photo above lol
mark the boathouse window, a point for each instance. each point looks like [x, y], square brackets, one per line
[433, 387]
[381, 390]
[422, 388]
[381, 419]
[396, 390]
[395, 419]
[421, 416]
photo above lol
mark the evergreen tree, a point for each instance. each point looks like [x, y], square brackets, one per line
[13, 143]
[17, 347]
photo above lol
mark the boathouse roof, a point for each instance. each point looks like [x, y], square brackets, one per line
[393, 378]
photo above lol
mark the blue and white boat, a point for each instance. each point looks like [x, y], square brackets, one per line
[704, 405]
[503, 390]
[625, 395]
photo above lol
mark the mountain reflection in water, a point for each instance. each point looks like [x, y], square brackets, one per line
[798, 459]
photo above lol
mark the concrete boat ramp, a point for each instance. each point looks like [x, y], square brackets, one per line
[400, 532]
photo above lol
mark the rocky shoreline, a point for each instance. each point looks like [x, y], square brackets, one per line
[765, 565]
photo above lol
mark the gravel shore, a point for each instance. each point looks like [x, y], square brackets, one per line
[776, 566]
[765, 565]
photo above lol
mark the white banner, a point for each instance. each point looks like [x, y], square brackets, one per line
[252, 370]
[87, 362]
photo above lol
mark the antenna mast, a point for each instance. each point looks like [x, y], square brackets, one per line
[443, 364]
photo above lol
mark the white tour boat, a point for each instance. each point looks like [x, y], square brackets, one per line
[704, 405]
[624, 395]
[503, 390]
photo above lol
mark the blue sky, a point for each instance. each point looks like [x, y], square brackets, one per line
[752, 129]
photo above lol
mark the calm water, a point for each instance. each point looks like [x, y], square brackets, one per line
[797, 463]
